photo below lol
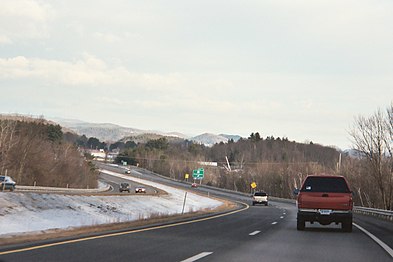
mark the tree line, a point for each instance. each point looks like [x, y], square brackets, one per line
[278, 165]
[372, 172]
[37, 151]
[33, 151]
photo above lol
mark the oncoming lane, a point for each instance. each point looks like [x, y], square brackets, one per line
[115, 182]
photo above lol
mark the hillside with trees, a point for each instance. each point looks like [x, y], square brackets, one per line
[278, 165]
[35, 151]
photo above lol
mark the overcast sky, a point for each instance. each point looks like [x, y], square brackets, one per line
[300, 69]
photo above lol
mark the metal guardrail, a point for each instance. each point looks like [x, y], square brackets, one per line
[381, 213]
[384, 214]
[61, 189]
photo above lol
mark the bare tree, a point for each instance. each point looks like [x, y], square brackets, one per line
[7, 141]
[389, 143]
[372, 137]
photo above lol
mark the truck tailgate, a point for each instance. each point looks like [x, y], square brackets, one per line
[319, 200]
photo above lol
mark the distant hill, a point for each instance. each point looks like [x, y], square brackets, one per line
[209, 139]
[33, 119]
[235, 138]
[103, 131]
[145, 137]
[354, 153]
[112, 133]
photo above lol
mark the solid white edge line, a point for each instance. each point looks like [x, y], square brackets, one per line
[254, 233]
[197, 257]
[377, 240]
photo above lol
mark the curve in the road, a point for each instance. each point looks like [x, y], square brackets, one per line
[245, 207]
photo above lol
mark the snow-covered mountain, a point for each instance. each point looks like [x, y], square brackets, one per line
[208, 139]
[102, 131]
[112, 133]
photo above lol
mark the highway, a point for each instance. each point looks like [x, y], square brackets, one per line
[254, 233]
[114, 182]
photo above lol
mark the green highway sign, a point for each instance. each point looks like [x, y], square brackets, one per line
[198, 173]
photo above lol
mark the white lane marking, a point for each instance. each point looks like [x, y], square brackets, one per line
[379, 242]
[274, 223]
[254, 233]
[281, 217]
[197, 257]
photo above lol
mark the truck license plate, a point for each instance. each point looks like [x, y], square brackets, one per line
[325, 211]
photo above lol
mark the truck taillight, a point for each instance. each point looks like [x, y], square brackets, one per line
[299, 200]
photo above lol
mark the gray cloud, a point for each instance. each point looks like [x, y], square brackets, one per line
[301, 69]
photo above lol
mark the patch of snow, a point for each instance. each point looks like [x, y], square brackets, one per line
[29, 212]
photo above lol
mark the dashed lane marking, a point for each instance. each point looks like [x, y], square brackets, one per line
[274, 223]
[254, 233]
[197, 257]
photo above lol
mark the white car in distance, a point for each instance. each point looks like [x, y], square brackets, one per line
[260, 197]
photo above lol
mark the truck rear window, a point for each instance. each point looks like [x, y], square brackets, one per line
[325, 184]
[260, 194]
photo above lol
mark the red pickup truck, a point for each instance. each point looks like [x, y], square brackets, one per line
[325, 199]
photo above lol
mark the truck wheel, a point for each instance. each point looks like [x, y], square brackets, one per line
[346, 225]
[301, 224]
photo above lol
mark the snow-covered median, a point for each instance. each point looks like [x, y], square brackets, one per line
[30, 212]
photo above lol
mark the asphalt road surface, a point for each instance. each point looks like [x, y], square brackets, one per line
[256, 233]
[114, 182]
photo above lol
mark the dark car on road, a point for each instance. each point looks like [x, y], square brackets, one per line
[124, 187]
[6, 183]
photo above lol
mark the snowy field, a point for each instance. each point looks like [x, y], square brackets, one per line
[33, 212]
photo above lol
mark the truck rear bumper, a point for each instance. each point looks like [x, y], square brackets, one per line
[324, 217]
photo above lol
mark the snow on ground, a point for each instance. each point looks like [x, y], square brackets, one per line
[29, 212]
